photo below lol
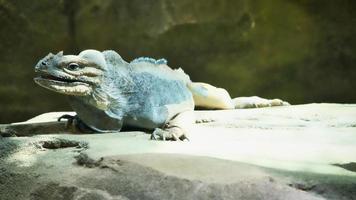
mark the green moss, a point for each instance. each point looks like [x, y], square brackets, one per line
[301, 51]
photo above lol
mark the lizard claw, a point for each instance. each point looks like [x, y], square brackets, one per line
[67, 117]
[174, 134]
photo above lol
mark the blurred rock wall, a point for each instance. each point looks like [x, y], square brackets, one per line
[299, 50]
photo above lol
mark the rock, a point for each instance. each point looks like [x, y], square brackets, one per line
[292, 152]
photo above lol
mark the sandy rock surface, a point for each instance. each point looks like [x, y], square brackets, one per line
[292, 152]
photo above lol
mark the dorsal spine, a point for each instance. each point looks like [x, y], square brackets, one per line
[161, 61]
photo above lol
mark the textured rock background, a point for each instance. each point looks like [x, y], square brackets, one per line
[292, 152]
[301, 51]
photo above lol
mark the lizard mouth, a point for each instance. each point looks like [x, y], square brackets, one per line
[44, 77]
[63, 85]
[55, 78]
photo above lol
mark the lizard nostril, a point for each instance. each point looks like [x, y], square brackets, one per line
[43, 63]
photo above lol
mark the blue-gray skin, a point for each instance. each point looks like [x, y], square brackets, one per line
[109, 94]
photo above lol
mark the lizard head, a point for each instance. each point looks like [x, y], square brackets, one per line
[71, 74]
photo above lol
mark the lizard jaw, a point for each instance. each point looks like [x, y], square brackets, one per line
[63, 86]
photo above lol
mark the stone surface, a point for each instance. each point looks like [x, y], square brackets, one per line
[292, 152]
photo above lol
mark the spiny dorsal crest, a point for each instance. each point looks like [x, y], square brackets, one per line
[161, 61]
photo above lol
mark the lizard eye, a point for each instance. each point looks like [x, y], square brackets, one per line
[73, 66]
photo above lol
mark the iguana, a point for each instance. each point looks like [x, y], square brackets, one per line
[109, 94]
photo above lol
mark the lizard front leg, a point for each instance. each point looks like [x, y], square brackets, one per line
[75, 124]
[176, 129]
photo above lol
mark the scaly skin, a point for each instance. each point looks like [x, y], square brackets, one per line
[109, 94]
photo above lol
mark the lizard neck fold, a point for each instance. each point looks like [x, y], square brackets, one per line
[111, 95]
